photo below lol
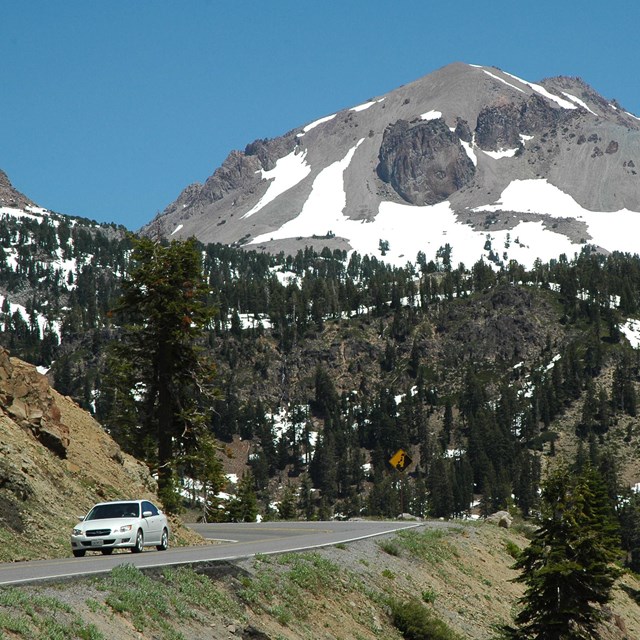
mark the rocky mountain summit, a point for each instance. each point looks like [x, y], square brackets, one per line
[10, 196]
[465, 151]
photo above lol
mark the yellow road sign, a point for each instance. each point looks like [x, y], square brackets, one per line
[400, 460]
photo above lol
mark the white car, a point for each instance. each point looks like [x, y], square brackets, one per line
[133, 524]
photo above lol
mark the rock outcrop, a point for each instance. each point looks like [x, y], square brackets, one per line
[500, 125]
[424, 161]
[10, 196]
[270, 151]
[25, 396]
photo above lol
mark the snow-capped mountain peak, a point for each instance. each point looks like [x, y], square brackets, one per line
[491, 164]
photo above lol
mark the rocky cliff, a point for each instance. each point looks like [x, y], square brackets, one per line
[424, 161]
[10, 196]
[55, 462]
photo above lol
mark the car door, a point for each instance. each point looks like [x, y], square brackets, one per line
[152, 522]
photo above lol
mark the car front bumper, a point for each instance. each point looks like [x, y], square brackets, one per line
[119, 541]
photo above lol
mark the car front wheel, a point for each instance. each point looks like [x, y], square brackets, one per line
[79, 553]
[139, 543]
[164, 541]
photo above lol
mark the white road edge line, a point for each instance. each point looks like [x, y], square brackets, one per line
[236, 557]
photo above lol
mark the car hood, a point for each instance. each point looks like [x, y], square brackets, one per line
[106, 523]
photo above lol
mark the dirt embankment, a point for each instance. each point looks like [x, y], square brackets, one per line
[55, 462]
[460, 574]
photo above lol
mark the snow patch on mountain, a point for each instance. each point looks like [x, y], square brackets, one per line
[43, 324]
[535, 196]
[500, 153]
[287, 173]
[579, 102]
[322, 212]
[538, 88]
[631, 331]
[495, 77]
[404, 230]
[366, 105]
[431, 115]
[608, 229]
[315, 123]
[468, 147]
[20, 213]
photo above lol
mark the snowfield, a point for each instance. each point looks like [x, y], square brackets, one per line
[408, 229]
[609, 229]
[287, 173]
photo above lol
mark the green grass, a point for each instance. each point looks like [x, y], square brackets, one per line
[179, 595]
[512, 549]
[429, 545]
[281, 586]
[390, 546]
[428, 596]
[41, 617]
[13, 548]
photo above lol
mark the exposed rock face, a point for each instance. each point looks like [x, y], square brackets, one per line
[11, 197]
[462, 130]
[25, 396]
[423, 161]
[499, 125]
[236, 171]
[270, 151]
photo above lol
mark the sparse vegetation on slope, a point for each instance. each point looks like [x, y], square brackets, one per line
[454, 581]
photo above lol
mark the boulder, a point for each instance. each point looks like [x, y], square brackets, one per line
[501, 518]
[25, 396]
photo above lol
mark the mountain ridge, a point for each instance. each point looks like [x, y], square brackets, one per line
[319, 183]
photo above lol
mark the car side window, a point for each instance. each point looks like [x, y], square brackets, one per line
[147, 506]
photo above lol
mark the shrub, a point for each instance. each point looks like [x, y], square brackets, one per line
[390, 547]
[429, 596]
[512, 549]
[416, 622]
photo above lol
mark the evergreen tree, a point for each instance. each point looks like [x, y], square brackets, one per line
[158, 358]
[204, 466]
[287, 506]
[567, 568]
[630, 529]
[305, 498]
[441, 490]
[244, 506]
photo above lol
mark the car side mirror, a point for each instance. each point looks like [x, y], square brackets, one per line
[80, 518]
[147, 514]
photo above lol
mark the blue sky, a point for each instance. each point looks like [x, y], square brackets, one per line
[109, 109]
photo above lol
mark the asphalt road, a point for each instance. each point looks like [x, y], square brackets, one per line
[228, 542]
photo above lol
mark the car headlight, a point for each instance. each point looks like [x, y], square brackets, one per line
[77, 532]
[125, 528]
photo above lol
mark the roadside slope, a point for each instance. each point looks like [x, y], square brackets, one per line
[55, 462]
[461, 575]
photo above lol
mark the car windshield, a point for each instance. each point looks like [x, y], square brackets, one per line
[114, 510]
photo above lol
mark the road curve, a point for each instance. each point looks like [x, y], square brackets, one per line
[229, 542]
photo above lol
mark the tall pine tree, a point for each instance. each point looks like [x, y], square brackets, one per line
[158, 365]
[567, 568]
